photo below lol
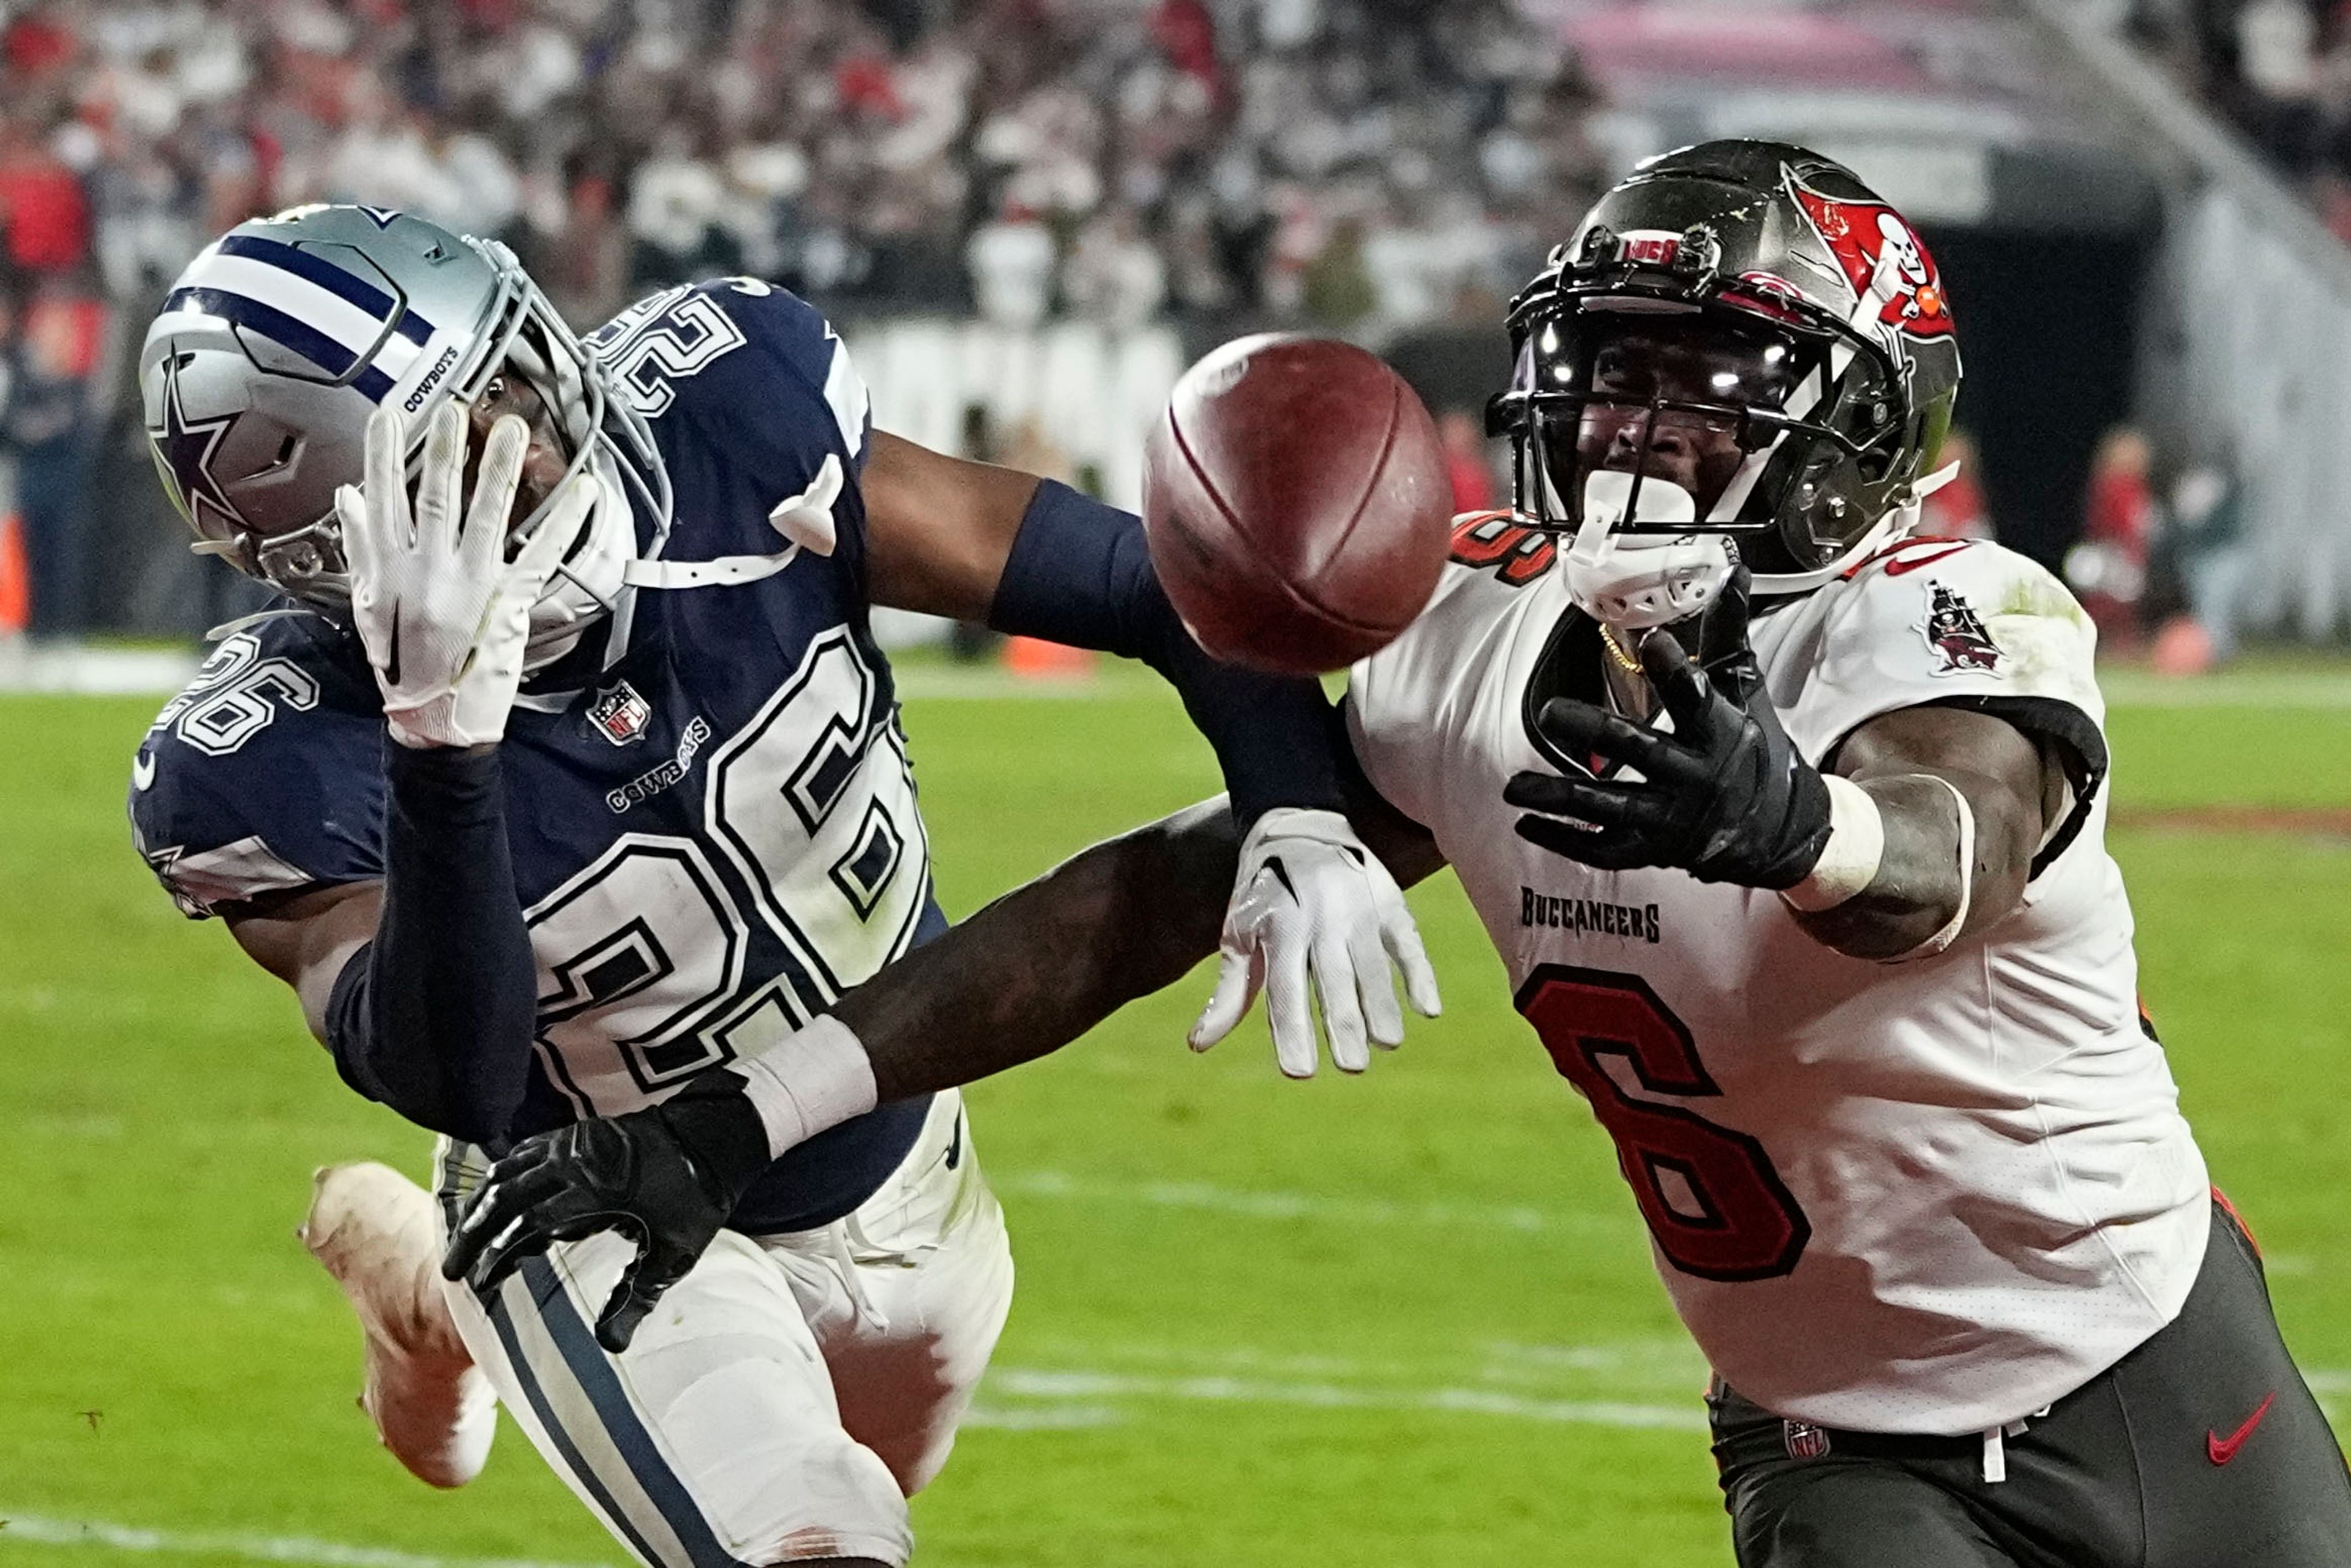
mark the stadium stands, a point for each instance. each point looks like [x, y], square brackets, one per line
[1348, 164]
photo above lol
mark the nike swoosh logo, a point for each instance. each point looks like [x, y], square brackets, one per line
[1901, 565]
[955, 1144]
[143, 772]
[2222, 1449]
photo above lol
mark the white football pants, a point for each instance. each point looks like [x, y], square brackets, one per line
[788, 1396]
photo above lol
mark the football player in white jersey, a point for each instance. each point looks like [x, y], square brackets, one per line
[1789, 827]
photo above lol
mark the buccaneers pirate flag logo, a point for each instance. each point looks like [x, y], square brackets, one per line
[1956, 633]
[1883, 259]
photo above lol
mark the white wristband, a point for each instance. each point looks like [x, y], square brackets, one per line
[1849, 861]
[1950, 931]
[808, 1082]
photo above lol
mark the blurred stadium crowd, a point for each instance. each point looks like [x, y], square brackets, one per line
[1348, 164]
[1362, 166]
[2280, 70]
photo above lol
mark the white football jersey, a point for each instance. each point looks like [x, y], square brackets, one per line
[1929, 1196]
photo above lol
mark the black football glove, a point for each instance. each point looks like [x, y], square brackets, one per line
[1725, 797]
[666, 1177]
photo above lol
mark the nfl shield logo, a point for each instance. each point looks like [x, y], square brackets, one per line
[1804, 1440]
[620, 715]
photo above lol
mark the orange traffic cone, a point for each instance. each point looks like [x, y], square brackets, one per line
[1033, 658]
[15, 581]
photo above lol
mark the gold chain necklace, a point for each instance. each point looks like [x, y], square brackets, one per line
[1616, 654]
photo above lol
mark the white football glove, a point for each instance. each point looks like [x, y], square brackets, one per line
[1312, 900]
[445, 616]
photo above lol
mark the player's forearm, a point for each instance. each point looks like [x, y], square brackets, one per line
[1955, 858]
[1079, 573]
[1045, 963]
[1023, 977]
[434, 1016]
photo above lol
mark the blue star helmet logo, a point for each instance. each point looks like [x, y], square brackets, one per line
[183, 456]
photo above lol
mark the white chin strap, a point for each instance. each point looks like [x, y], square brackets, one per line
[592, 582]
[1635, 581]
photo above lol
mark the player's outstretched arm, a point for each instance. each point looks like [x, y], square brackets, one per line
[1020, 979]
[1925, 830]
[1311, 912]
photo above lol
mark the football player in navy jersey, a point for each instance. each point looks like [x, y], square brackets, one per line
[571, 773]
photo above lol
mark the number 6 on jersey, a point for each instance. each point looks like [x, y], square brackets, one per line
[1713, 1202]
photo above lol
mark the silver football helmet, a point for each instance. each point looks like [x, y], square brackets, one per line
[284, 336]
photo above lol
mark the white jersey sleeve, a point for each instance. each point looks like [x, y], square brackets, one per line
[1951, 623]
[1403, 699]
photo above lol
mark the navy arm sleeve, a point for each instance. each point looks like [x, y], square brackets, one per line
[1079, 573]
[435, 1017]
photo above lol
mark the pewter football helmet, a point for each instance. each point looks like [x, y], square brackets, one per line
[284, 336]
[1756, 301]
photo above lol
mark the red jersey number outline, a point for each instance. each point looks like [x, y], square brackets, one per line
[1749, 1226]
[1497, 538]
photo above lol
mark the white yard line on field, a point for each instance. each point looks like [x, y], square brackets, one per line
[94, 672]
[1522, 1218]
[1046, 1418]
[1032, 1383]
[36, 1530]
[1660, 1364]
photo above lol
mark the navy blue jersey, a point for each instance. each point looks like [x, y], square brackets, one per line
[712, 814]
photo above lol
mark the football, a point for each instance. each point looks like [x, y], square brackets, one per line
[1297, 503]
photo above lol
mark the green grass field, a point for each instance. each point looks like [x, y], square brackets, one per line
[1405, 1318]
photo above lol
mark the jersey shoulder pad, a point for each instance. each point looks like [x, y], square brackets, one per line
[750, 394]
[1498, 544]
[1955, 623]
[1494, 560]
[265, 774]
[741, 347]
[1930, 618]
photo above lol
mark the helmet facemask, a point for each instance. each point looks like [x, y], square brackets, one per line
[596, 434]
[1669, 437]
